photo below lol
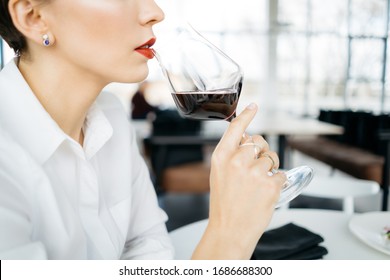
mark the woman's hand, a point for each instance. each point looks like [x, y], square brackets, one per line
[242, 193]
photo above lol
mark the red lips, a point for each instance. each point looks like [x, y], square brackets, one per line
[146, 49]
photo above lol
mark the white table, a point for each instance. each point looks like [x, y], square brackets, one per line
[279, 123]
[344, 188]
[265, 123]
[331, 225]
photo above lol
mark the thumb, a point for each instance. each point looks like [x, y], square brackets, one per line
[233, 135]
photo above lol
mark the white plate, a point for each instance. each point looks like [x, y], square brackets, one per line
[368, 227]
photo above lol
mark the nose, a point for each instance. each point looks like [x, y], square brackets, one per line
[151, 13]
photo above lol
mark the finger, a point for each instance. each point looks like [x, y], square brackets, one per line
[246, 138]
[258, 145]
[260, 141]
[280, 179]
[249, 150]
[233, 135]
[268, 161]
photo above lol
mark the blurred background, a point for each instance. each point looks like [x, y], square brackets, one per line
[298, 57]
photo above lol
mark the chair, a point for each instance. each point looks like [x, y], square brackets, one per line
[363, 151]
[344, 188]
[177, 162]
[190, 178]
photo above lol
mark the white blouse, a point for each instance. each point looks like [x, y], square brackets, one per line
[59, 200]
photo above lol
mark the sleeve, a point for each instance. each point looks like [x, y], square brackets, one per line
[148, 237]
[17, 175]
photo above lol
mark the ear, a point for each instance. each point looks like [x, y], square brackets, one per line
[27, 19]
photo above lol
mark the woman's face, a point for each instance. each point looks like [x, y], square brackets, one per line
[102, 38]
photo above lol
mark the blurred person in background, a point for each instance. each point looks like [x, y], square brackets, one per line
[140, 107]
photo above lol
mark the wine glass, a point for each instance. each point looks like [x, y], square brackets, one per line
[206, 85]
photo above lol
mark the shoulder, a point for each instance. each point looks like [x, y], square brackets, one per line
[16, 164]
[10, 151]
[9, 75]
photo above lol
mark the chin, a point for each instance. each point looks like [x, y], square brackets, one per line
[136, 76]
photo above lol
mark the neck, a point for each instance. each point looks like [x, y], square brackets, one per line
[65, 93]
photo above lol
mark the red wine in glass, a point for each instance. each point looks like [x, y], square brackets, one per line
[209, 105]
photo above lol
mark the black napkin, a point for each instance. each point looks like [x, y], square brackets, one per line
[289, 242]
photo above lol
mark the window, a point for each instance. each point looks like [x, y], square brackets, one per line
[297, 55]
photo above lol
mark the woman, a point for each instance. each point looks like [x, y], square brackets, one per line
[95, 199]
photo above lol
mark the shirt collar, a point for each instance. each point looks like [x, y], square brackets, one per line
[33, 128]
[97, 131]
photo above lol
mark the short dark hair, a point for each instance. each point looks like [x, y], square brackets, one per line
[9, 32]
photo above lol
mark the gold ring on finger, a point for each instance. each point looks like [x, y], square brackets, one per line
[257, 148]
[272, 168]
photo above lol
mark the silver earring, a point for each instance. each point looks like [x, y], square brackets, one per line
[45, 40]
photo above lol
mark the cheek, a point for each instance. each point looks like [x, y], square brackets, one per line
[90, 35]
[93, 24]
[101, 40]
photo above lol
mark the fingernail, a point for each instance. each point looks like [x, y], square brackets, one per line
[252, 106]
